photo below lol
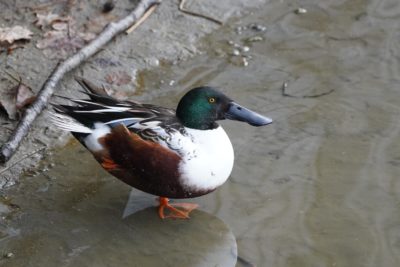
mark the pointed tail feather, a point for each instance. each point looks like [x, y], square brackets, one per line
[67, 123]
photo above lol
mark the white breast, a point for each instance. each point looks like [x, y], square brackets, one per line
[209, 161]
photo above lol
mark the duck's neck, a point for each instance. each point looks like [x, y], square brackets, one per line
[196, 121]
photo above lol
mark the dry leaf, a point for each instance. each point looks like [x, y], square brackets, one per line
[57, 44]
[97, 23]
[13, 47]
[16, 99]
[44, 20]
[60, 26]
[12, 34]
[63, 40]
[25, 97]
[118, 78]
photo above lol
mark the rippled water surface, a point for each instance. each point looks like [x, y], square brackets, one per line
[319, 187]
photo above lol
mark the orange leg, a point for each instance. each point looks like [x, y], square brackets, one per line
[176, 213]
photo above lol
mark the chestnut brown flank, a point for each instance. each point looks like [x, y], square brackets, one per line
[143, 164]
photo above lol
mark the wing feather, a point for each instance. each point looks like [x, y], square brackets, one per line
[151, 122]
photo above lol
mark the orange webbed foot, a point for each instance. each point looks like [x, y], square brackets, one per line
[108, 164]
[177, 210]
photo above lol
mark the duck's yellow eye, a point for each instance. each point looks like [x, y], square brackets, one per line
[211, 100]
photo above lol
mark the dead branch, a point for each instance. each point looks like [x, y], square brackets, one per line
[189, 12]
[109, 32]
[142, 18]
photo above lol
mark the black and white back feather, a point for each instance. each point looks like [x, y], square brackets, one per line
[148, 121]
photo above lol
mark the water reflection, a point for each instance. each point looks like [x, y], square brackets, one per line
[204, 240]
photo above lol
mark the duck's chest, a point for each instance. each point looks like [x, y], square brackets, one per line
[207, 159]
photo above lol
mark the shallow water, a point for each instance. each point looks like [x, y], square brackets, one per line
[318, 187]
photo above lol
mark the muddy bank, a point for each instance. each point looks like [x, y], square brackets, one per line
[167, 37]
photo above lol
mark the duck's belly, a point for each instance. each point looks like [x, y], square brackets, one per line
[209, 163]
[164, 186]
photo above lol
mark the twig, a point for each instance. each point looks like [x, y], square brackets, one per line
[142, 18]
[285, 85]
[189, 12]
[18, 80]
[109, 32]
[21, 159]
[13, 77]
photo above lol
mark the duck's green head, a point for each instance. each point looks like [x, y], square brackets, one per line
[201, 107]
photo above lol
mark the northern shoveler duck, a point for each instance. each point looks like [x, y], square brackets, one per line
[167, 153]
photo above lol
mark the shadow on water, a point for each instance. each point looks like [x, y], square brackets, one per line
[90, 219]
